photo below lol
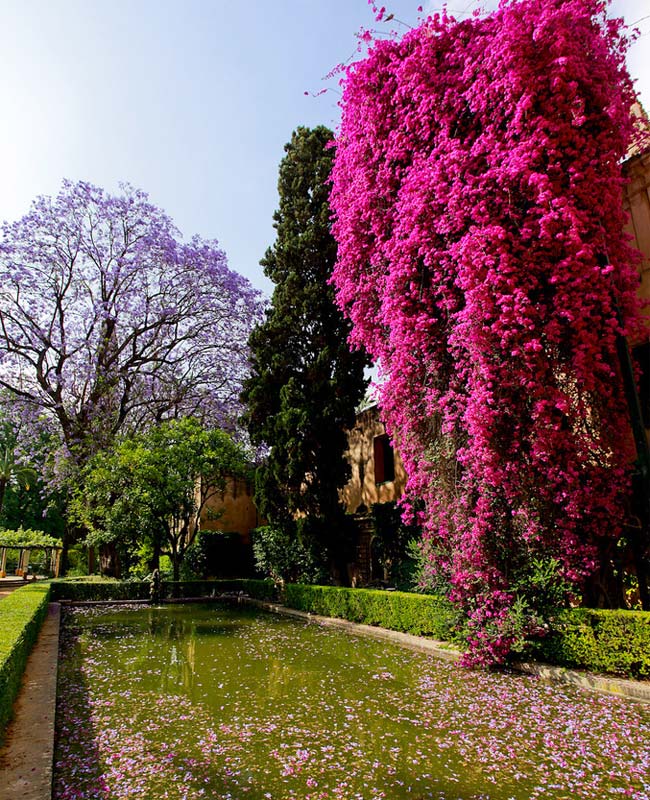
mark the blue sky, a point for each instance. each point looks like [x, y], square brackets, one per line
[190, 100]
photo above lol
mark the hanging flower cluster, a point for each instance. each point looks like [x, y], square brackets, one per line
[482, 260]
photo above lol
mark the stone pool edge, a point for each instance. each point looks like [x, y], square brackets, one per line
[602, 684]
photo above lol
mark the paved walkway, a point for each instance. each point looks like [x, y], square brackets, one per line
[26, 757]
[8, 586]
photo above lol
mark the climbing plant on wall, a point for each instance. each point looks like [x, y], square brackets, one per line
[482, 261]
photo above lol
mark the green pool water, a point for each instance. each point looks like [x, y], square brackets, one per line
[204, 701]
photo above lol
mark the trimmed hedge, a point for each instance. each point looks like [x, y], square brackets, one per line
[21, 616]
[615, 642]
[80, 590]
[599, 640]
[419, 614]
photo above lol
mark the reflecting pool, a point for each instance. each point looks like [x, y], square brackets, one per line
[205, 701]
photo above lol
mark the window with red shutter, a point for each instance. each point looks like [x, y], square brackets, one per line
[384, 459]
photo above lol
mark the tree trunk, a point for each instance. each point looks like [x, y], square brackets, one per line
[70, 536]
[176, 562]
[109, 560]
[154, 561]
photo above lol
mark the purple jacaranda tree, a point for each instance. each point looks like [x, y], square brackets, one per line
[109, 322]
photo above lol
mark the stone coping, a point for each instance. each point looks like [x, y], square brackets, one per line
[604, 684]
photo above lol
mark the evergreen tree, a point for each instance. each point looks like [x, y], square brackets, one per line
[305, 383]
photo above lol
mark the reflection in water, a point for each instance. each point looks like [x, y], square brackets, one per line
[202, 701]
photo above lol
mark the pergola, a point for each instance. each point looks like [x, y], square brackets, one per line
[53, 552]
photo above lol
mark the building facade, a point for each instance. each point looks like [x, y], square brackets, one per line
[377, 471]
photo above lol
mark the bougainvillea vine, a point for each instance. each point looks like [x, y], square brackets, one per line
[482, 260]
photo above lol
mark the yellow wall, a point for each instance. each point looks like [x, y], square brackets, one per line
[237, 512]
[637, 204]
[361, 489]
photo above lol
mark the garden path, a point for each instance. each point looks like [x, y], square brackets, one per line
[11, 582]
[26, 756]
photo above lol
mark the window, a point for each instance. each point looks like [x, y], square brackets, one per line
[384, 459]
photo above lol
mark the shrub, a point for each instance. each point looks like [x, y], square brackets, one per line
[106, 590]
[77, 562]
[80, 590]
[599, 640]
[419, 614]
[21, 616]
[261, 590]
[290, 553]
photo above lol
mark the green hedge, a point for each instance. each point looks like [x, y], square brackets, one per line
[419, 614]
[261, 590]
[615, 642]
[80, 590]
[21, 616]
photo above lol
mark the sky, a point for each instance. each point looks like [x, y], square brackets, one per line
[190, 100]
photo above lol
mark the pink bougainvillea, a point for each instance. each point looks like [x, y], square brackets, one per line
[477, 199]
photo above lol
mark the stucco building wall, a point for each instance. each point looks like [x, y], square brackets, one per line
[637, 203]
[232, 510]
[363, 488]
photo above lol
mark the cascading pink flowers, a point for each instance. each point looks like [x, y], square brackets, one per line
[477, 199]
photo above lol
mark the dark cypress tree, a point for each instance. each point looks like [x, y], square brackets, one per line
[305, 382]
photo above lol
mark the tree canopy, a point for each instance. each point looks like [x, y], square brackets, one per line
[27, 538]
[305, 382]
[108, 321]
[482, 260]
[13, 471]
[29, 499]
[154, 486]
